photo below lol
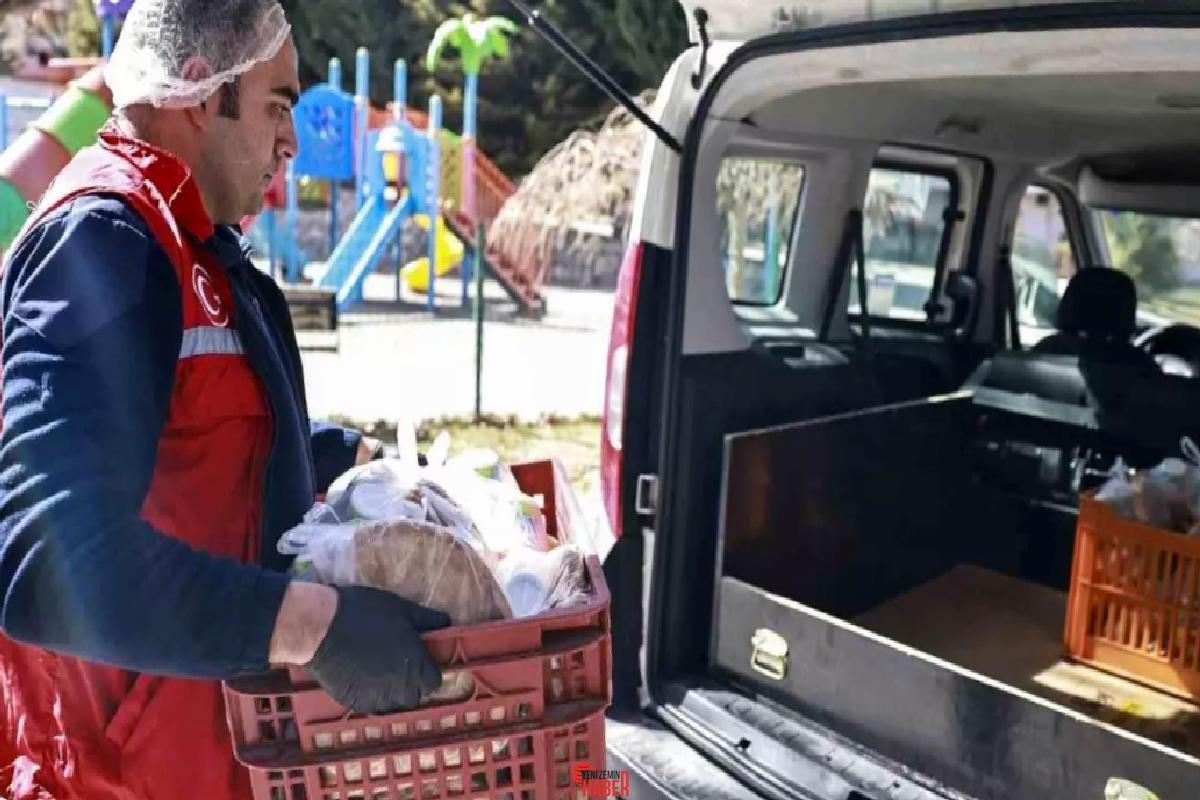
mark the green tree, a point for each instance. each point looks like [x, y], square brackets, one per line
[387, 28]
[1144, 247]
[643, 37]
[528, 103]
[83, 29]
[30, 28]
[1154, 258]
[533, 100]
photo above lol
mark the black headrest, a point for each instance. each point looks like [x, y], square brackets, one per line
[1100, 304]
[1051, 377]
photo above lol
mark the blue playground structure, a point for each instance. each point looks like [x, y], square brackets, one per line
[396, 172]
[108, 12]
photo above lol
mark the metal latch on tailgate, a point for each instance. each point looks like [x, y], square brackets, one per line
[769, 653]
[645, 495]
[1120, 789]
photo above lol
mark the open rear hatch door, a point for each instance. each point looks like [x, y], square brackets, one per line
[791, 699]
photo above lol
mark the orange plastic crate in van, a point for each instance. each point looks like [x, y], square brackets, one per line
[1134, 604]
[529, 706]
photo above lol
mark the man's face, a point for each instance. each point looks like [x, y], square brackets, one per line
[251, 135]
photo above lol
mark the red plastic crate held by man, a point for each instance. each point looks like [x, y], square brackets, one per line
[520, 714]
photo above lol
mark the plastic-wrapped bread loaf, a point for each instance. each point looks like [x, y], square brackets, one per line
[422, 562]
[428, 565]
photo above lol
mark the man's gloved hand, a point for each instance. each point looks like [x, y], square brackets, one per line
[372, 659]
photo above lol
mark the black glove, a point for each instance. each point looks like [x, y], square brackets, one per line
[372, 659]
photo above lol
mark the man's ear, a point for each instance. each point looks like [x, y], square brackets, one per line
[200, 116]
[197, 69]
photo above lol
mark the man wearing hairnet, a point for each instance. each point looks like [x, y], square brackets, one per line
[156, 442]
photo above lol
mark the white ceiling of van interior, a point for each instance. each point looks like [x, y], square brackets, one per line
[1048, 118]
[743, 19]
[1049, 97]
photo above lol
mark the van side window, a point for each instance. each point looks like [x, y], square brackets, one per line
[757, 199]
[904, 222]
[1042, 262]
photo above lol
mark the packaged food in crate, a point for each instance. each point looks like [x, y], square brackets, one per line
[475, 546]
[539, 683]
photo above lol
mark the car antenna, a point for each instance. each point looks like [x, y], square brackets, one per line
[593, 71]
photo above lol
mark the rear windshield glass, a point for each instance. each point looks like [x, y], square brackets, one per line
[904, 220]
[757, 199]
[1162, 255]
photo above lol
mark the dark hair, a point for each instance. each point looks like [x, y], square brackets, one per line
[229, 98]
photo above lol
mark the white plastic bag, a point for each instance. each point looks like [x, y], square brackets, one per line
[1119, 491]
[394, 489]
[324, 552]
[535, 582]
[1166, 496]
[505, 518]
[1191, 485]
[1170, 497]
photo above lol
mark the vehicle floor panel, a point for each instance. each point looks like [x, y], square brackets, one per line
[1012, 630]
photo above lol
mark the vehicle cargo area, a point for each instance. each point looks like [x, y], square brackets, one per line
[947, 526]
[914, 342]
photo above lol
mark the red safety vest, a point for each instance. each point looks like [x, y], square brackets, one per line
[74, 730]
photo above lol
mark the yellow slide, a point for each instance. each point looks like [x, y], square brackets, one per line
[449, 254]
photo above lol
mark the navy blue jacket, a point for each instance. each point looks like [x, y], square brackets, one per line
[91, 333]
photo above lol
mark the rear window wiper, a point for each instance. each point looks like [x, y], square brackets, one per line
[593, 71]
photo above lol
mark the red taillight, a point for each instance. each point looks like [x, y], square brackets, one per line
[624, 308]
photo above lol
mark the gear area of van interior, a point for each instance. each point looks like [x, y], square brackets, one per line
[909, 290]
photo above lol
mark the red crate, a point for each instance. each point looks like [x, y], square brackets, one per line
[568, 666]
[517, 763]
[1134, 604]
[540, 684]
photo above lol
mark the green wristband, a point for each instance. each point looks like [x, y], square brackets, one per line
[75, 118]
[14, 210]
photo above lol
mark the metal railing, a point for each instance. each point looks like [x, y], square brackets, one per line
[28, 107]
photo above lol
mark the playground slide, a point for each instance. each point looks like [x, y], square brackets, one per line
[353, 243]
[385, 237]
[373, 231]
[448, 254]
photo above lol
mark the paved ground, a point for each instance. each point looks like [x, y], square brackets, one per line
[391, 363]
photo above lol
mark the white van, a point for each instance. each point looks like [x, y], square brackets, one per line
[846, 534]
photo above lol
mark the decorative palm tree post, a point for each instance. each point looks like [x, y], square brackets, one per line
[476, 40]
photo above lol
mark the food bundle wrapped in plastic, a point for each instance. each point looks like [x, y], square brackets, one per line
[445, 535]
[1166, 496]
[425, 563]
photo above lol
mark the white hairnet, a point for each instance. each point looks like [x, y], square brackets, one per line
[176, 53]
